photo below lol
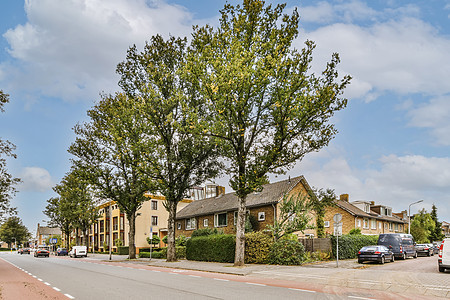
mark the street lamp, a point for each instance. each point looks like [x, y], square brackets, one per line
[409, 215]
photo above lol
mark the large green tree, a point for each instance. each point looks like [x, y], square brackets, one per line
[422, 226]
[7, 181]
[436, 234]
[177, 156]
[110, 153]
[60, 212]
[12, 230]
[264, 103]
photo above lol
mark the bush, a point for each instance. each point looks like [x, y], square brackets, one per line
[349, 245]
[181, 241]
[122, 250]
[156, 254]
[205, 232]
[355, 231]
[317, 256]
[180, 252]
[257, 247]
[287, 252]
[218, 247]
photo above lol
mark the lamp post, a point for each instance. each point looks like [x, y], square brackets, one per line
[409, 215]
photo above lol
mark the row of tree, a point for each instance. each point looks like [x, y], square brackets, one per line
[237, 99]
[425, 227]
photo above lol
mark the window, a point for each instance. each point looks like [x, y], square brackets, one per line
[374, 224]
[390, 226]
[154, 220]
[121, 222]
[220, 220]
[261, 216]
[179, 226]
[154, 205]
[205, 223]
[235, 217]
[380, 225]
[366, 224]
[326, 224]
[102, 226]
[396, 226]
[115, 223]
[359, 223]
[190, 224]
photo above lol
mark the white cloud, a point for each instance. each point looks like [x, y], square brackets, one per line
[401, 56]
[433, 115]
[35, 179]
[70, 49]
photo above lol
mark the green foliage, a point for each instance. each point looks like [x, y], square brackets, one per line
[436, 234]
[122, 250]
[349, 245]
[206, 232]
[257, 247]
[181, 241]
[58, 240]
[264, 104]
[164, 239]
[294, 216]
[287, 252]
[422, 226]
[7, 182]
[218, 248]
[180, 252]
[355, 231]
[316, 256]
[154, 241]
[13, 230]
[118, 243]
[319, 200]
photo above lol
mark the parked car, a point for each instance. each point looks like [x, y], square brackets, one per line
[436, 246]
[61, 252]
[20, 251]
[41, 252]
[25, 251]
[425, 249]
[400, 244]
[444, 255]
[378, 253]
[78, 251]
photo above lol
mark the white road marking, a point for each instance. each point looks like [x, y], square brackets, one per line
[56, 289]
[69, 296]
[220, 279]
[300, 290]
[363, 298]
[195, 276]
[258, 284]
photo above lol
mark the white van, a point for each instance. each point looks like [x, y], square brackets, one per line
[444, 255]
[78, 251]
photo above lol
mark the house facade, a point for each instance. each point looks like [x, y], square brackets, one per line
[371, 219]
[45, 232]
[221, 212]
[445, 229]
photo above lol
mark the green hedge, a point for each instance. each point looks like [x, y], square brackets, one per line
[287, 252]
[180, 252]
[6, 249]
[123, 250]
[218, 248]
[257, 247]
[350, 244]
[156, 254]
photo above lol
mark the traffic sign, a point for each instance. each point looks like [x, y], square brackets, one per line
[337, 229]
[337, 218]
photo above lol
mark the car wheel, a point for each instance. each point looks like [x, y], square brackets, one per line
[441, 269]
[393, 258]
[404, 256]
[382, 260]
[360, 261]
[415, 254]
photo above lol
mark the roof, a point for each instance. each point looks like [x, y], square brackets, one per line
[271, 193]
[48, 230]
[350, 208]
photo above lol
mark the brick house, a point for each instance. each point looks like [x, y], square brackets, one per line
[446, 228]
[221, 211]
[371, 219]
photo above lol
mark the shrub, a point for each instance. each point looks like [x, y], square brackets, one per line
[181, 241]
[205, 232]
[317, 256]
[287, 252]
[180, 252]
[355, 231]
[122, 250]
[257, 247]
[349, 245]
[155, 254]
[218, 247]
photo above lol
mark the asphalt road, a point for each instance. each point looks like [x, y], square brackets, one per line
[85, 279]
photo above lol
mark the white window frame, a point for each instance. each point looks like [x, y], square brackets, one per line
[154, 220]
[216, 220]
[366, 223]
[390, 226]
[373, 224]
[190, 224]
[261, 216]
[358, 223]
[205, 222]
[155, 204]
[326, 224]
[380, 225]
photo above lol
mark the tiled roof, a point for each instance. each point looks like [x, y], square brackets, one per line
[347, 206]
[271, 193]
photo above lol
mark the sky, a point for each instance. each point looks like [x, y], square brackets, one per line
[393, 144]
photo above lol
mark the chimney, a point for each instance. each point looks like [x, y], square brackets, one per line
[372, 203]
[344, 197]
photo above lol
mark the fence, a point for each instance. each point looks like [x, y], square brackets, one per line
[316, 244]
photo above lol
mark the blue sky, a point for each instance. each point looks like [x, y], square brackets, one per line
[394, 136]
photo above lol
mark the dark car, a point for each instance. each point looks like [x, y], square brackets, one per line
[378, 253]
[41, 252]
[62, 252]
[25, 251]
[425, 249]
[400, 244]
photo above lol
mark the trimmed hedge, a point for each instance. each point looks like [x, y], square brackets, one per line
[123, 250]
[287, 252]
[257, 247]
[162, 253]
[156, 254]
[218, 248]
[350, 244]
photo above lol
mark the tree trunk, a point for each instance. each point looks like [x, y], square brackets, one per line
[240, 235]
[131, 234]
[171, 249]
